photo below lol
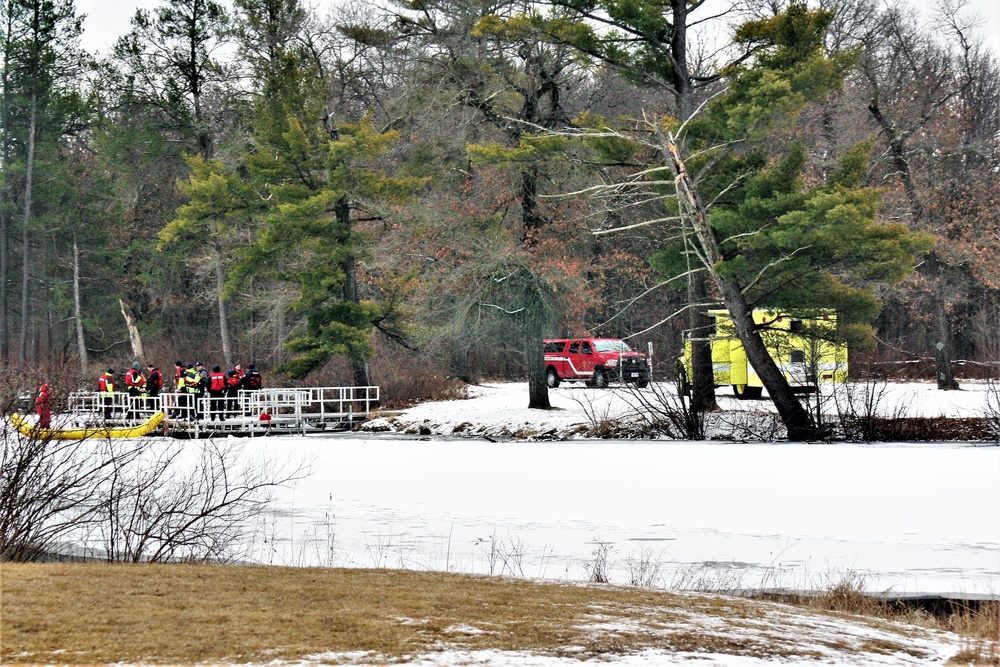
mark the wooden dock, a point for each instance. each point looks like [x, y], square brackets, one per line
[263, 412]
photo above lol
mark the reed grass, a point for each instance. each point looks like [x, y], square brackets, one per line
[89, 613]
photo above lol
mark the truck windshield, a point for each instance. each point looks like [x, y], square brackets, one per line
[611, 346]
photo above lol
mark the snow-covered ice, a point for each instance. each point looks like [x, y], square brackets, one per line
[903, 517]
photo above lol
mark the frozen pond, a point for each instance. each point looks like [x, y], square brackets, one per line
[907, 518]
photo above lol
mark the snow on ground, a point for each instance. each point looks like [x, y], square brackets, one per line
[499, 409]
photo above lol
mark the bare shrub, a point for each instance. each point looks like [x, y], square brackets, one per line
[643, 569]
[603, 423]
[51, 490]
[406, 377]
[504, 557]
[21, 381]
[141, 500]
[667, 412]
[599, 569]
[161, 506]
[710, 577]
[378, 547]
[756, 426]
[512, 556]
[993, 411]
[865, 412]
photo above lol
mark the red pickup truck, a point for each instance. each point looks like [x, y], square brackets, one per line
[596, 361]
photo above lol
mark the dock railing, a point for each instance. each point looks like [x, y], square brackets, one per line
[269, 410]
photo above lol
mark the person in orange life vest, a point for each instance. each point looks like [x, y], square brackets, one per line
[237, 371]
[43, 406]
[179, 369]
[154, 383]
[135, 385]
[106, 387]
[232, 391]
[217, 392]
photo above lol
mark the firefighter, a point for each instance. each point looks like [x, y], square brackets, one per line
[154, 381]
[135, 382]
[43, 406]
[106, 388]
[192, 387]
[202, 387]
[253, 380]
[217, 392]
[135, 385]
[233, 390]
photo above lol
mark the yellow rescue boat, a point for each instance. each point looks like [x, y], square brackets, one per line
[34, 431]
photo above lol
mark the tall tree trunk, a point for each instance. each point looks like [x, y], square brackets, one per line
[342, 210]
[22, 341]
[797, 420]
[533, 346]
[701, 325]
[220, 284]
[538, 390]
[81, 345]
[942, 331]
[4, 306]
[5, 192]
[941, 340]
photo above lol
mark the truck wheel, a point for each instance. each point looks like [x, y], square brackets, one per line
[747, 393]
[641, 384]
[600, 378]
[552, 378]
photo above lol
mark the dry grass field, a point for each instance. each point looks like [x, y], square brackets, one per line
[186, 614]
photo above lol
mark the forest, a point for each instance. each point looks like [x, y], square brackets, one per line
[417, 192]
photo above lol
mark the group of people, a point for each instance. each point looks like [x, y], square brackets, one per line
[190, 379]
[222, 388]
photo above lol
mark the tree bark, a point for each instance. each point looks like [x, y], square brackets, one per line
[81, 345]
[943, 370]
[5, 217]
[220, 284]
[22, 341]
[342, 210]
[538, 390]
[133, 333]
[701, 325]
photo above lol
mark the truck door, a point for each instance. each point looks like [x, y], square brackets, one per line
[586, 357]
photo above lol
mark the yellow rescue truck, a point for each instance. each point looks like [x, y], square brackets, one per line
[804, 348]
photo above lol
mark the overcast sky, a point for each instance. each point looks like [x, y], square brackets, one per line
[109, 19]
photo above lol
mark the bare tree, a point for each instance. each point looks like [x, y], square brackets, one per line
[933, 99]
[160, 506]
[49, 490]
[145, 500]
